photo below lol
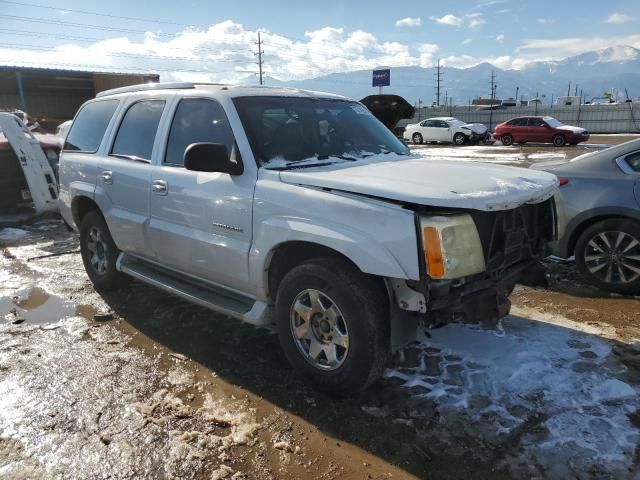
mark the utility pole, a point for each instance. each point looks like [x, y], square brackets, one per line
[438, 83]
[260, 52]
[517, 90]
[569, 89]
[493, 96]
[575, 92]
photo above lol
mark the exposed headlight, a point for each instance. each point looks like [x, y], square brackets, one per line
[452, 247]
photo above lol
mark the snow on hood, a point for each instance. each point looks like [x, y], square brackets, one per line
[438, 183]
[478, 128]
[571, 128]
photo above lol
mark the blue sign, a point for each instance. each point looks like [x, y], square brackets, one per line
[381, 78]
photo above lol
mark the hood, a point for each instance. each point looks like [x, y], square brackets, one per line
[438, 183]
[572, 129]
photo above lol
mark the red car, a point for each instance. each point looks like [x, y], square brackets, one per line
[539, 130]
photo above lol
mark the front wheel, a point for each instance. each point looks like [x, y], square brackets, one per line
[333, 325]
[99, 253]
[608, 255]
[417, 138]
[559, 140]
[459, 139]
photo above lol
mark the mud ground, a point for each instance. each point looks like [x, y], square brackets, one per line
[138, 384]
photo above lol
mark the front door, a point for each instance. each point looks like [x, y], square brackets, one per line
[538, 130]
[201, 222]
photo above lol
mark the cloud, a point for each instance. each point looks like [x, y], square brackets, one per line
[427, 52]
[225, 52]
[409, 22]
[500, 38]
[566, 47]
[466, 41]
[546, 21]
[618, 18]
[471, 20]
[449, 19]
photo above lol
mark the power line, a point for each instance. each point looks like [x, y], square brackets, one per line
[81, 25]
[107, 15]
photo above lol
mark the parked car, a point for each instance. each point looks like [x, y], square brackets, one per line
[299, 208]
[445, 129]
[601, 192]
[539, 130]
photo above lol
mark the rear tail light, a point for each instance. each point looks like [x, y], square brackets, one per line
[563, 181]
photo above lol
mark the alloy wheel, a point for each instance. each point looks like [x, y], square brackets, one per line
[319, 330]
[97, 248]
[613, 257]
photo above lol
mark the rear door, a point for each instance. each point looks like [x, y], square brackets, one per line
[124, 176]
[201, 222]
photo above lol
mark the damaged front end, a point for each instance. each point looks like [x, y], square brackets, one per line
[512, 242]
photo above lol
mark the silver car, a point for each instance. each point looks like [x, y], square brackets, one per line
[601, 193]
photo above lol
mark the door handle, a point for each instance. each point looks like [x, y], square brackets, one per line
[107, 177]
[159, 187]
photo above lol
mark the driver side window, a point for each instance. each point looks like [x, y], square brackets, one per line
[197, 120]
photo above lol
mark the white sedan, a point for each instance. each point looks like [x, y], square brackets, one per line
[445, 129]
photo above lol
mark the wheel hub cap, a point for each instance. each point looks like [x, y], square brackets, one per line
[97, 248]
[319, 329]
[613, 257]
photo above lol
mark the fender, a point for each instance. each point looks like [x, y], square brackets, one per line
[368, 255]
[574, 224]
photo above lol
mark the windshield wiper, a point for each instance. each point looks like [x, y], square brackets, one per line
[351, 158]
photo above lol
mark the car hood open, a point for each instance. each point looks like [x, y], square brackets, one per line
[438, 183]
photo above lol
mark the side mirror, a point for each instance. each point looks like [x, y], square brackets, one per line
[210, 157]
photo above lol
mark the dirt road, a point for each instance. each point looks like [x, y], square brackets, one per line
[138, 384]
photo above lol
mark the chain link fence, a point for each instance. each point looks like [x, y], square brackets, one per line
[614, 118]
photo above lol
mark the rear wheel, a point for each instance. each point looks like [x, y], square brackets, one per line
[459, 139]
[608, 255]
[559, 140]
[417, 138]
[507, 140]
[99, 253]
[333, 325]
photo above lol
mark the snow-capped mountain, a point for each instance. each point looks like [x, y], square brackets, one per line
[595, 72]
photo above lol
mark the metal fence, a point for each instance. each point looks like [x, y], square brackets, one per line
[616, 118]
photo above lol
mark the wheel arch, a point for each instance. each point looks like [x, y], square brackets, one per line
[579, 224]
[80, 206]
[287, 255]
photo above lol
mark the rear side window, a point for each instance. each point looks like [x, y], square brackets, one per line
[634, 161]
[137, 130]
[197, 120]
[517, 122]
[89, 126]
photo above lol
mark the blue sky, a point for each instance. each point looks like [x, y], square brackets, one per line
[305, 38]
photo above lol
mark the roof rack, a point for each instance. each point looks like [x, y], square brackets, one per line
[146, 86]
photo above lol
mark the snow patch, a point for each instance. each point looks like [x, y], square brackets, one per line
[11, 234]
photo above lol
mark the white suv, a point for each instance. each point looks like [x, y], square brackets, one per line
[301, 209]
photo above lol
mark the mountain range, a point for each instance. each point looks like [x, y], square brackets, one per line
[614, 68]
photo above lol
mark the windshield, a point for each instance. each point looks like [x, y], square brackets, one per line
[552, 122]
[292, 129]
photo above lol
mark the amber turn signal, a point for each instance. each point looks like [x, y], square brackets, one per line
[433, 252]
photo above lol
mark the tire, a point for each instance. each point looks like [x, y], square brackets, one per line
[610, 268]
[417, 138]
[559, 140]
[507, 140]
[361, 314]
[99, 253]
[459, 139]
